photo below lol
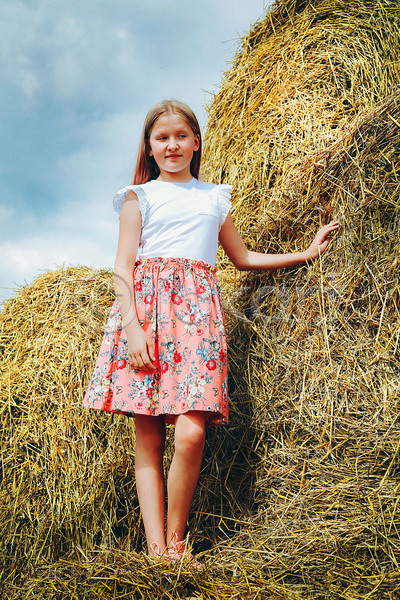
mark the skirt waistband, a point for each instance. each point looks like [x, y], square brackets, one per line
[174, 261]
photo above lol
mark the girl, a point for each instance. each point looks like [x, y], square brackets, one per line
[163, 357]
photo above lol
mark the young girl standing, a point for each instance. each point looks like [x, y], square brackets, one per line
[163, 357]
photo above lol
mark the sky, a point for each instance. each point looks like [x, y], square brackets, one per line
[77, 78]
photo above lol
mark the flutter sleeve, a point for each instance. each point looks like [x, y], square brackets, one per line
[119, 199]
[224, 202]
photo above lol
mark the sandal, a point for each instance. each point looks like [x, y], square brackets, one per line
[158, 555]
[178, 550]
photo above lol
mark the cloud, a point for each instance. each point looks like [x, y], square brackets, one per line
[26, 259]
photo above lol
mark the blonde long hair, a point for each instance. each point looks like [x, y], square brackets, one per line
[146, 167]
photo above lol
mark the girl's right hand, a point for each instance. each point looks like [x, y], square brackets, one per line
[141, 349]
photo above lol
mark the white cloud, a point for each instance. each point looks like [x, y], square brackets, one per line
[24, 259]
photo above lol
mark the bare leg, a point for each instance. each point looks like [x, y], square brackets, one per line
[150, 443]
[185, 469]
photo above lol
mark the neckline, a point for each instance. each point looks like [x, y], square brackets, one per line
[174, 182]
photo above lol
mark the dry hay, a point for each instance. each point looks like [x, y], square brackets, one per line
[305, 128]
[298, 498]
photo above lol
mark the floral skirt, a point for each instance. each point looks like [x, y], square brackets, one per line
[178, 303]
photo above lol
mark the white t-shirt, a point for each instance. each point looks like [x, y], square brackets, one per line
[179, 219]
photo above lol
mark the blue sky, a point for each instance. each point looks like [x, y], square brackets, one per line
[77, 78]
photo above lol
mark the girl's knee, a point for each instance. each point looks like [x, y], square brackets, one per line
[189, 439]
[154, 444]
[150, 435]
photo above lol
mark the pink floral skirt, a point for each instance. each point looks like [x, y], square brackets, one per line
[178, 303]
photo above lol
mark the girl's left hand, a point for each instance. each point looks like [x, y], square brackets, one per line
[321, 240]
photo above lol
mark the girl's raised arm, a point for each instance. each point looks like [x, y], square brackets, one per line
[247, 260]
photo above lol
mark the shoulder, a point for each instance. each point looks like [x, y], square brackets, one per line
[131, 194]
[214, 188]
[131, 203]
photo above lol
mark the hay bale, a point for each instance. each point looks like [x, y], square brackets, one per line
[305, 128]
[67, 482]
[298, 497]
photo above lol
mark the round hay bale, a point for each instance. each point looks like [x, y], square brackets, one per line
[316, 357]
[306, 129]
[68, 477]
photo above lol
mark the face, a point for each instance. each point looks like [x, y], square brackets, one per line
[172, 143]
